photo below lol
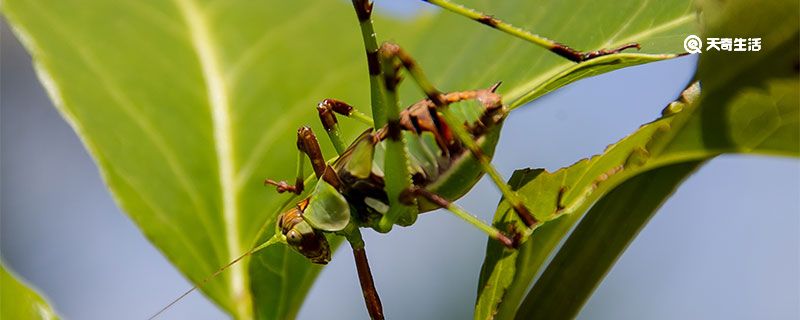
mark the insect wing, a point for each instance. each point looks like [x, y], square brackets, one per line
[328, 210]
[357, 159]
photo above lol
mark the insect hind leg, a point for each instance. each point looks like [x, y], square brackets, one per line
[557, 48]
[511, 242]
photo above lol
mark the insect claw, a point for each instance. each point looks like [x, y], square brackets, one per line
[282, 186]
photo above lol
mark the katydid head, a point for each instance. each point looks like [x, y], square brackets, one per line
[302, 237]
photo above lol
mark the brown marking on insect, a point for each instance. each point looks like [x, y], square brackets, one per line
[432, 197]
[603, 52]
[419, 179]
[415, 125]
[488, 20]
[394, 129]
[423, 116]
[328, 107]
[567, 52]
[308, 144]
[516, 235]
[303, 204]
[290, 218]
[506, 241]
[331, 177]
[363, 9]
[373, 63]
[338, 106]
[578, 56]
[326, 116]
[525, 215]
[419, 118]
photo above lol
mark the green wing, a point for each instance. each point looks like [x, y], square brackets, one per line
[328, 210]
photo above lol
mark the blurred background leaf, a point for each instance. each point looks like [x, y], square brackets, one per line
[750, 104]
[18, 301]
[186, 106]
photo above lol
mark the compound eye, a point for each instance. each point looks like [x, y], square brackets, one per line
[293, 237]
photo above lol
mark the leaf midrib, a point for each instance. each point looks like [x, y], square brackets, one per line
[217, 94]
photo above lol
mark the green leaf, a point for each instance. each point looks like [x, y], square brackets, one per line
[598, 241]
[750, 104]
[19, 301]
[187, 105]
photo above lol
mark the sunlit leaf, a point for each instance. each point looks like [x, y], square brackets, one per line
[187, 105]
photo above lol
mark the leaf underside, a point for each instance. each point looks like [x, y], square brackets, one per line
[187, 105]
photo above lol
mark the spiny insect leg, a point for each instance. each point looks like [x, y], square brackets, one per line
[393, 50]
[493, 233]
[510, 195]
[555, 47]
[397, 175]
[327, 110]
[363, 10]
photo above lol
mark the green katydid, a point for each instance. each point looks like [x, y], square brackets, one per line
[409, 161]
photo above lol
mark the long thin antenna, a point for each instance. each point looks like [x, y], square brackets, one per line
[275, 239]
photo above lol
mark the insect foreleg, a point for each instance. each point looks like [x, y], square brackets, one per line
[307, 144]
[298, 187]
[393, 50]
[555, 47]
[327, 110]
